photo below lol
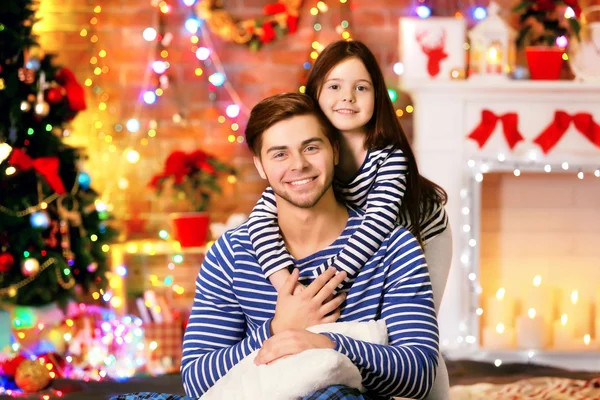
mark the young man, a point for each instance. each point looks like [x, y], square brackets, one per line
[236, 310]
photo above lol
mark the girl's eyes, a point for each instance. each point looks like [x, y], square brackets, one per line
[311, 148]
[360, 88]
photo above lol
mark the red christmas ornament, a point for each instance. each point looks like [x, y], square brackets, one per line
[6, 261]
[54, 95]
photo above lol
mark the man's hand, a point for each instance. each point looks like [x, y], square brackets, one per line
[289, 343]
[300, 310]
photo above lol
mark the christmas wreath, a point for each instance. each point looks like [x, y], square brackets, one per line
[278, 19]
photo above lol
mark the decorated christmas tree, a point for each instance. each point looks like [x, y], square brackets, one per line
[52, 225]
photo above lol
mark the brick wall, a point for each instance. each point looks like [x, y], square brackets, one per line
[275, 68]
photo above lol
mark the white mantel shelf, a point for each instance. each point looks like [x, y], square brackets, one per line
[485, 87]
[445, 112]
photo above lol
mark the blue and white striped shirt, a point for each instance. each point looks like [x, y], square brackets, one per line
[377, 188]
[234, 305]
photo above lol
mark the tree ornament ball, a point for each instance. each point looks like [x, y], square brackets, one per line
[31, 376]
[31, 267]
[6, 262]
[54, 95]
[42, 109]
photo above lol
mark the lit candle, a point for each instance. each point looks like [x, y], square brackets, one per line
[500, 309]
[494, 59]
[499, 337]
[531, 331]
[563, 334]
[542, 299]
[579, 310]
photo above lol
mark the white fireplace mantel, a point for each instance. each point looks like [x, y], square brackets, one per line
[444, 115]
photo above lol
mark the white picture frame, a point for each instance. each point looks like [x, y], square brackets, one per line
[432, 48]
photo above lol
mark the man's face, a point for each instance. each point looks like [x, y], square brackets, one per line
[297, 160]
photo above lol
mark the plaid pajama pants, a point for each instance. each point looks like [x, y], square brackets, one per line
[337, 392]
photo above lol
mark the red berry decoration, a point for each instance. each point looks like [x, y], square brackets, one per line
[54, 95]
[6, 261]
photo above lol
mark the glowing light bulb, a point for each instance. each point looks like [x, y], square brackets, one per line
[232, 111]
[192, 25]
[202, 53]
[479, 13]
[423, 11]
[149, 34]
[399, 68]
[133, 125]
[132, 156]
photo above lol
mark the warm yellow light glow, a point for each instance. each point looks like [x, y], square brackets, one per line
[574, 296]
[564, 319]
[587, 339]
[314, 11]
[132, 156]
[231, 179]
[531, 312]
[537, 281]
[409, 109]
[500, 294]
[500, 328]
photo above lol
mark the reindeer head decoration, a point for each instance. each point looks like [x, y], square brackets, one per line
[435, 52]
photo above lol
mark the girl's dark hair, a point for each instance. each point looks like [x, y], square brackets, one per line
[384, 128]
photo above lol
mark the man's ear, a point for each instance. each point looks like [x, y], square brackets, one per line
[336, 153]
[259, 167]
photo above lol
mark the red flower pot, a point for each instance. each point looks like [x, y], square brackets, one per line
[545, 63]
[190, 229]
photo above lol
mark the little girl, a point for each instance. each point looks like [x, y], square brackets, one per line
[377, 173]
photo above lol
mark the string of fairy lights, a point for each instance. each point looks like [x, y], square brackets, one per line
[470, 195]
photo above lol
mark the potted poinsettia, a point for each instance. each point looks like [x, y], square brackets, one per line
[192, 178]
[545, 29]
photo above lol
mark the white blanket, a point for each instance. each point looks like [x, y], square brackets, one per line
[298, 375]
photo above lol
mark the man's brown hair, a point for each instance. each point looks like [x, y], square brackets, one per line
[281, 107]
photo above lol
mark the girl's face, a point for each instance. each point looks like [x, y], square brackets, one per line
[347, 96]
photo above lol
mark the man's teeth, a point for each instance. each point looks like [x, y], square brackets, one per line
[302, 182]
